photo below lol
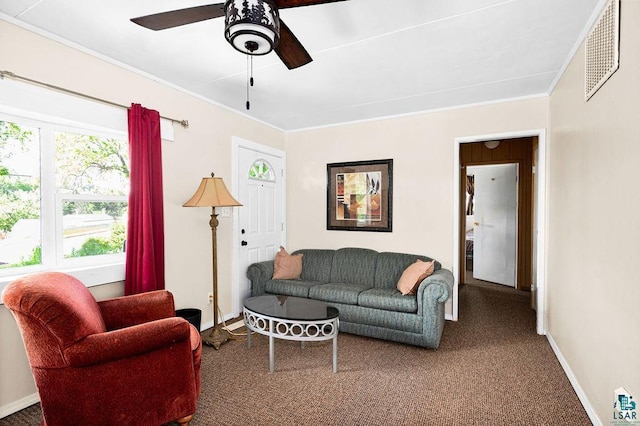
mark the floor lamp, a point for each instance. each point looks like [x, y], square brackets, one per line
[213, 193]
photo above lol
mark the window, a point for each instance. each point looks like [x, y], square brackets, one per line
[20, 237]
[92, 183]
[63, 196]
[262, 170]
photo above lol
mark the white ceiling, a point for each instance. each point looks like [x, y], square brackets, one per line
[371, 58]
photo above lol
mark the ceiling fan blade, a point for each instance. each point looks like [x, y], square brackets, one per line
[290, 50]
[283, 4]
[175, 18]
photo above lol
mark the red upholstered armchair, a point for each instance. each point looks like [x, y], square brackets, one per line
[122, 361]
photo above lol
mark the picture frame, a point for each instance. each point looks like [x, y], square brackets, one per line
[360, 196]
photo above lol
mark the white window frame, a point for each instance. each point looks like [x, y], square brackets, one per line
[91, 270]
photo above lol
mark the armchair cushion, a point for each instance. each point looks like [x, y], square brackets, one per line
[126, 311]
[127, 342]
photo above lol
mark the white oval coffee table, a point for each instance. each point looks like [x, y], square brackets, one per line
[291, 318]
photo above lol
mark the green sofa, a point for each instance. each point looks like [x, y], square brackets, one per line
[361, 284]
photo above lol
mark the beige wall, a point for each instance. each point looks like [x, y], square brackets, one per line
[593, 291]
[202, 148]
[422, 149]
[16, 381]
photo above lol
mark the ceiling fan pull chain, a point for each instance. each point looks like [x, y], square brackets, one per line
[251, 78]
[249, 82]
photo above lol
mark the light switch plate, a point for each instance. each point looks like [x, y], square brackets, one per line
[225, 211]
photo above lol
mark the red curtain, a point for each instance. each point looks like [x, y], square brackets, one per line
[145, 232]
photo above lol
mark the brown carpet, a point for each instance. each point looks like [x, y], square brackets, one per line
[491, 369]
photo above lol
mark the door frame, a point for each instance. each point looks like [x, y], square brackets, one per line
[238, 143]
[540, 216]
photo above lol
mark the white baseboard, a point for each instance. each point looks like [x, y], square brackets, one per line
[18, 405]
[574, 383]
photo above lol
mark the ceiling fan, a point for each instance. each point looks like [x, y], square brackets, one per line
[252, 27]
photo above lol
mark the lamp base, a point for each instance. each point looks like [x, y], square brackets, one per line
[216, 337]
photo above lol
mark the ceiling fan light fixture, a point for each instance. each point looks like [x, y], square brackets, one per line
[252, 26]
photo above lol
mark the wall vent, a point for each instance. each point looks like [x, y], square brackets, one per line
[602, 49]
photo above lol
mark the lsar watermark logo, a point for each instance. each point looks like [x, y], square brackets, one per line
[624, 408]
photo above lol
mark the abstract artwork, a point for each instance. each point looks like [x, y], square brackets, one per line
[359, 196]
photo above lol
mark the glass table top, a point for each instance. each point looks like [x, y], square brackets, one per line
[291, 308]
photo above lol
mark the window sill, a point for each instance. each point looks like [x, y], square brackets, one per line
[89, 275]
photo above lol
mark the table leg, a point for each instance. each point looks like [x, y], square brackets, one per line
[272, 361]
[248, 338]
[335, 353]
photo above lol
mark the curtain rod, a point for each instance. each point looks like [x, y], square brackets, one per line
[3, 74]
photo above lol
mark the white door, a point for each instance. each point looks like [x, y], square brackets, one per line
[495, 223]
[261, 219]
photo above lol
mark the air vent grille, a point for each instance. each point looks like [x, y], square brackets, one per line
[601, 49]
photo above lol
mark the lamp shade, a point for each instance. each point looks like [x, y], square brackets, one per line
[212, 192]
[252, 26]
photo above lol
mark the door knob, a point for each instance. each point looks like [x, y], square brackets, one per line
[244, 243]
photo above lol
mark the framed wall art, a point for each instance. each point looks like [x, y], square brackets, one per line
[360, 196]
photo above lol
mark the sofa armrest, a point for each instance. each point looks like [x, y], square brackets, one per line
[259, 273]
[136, 309]
[127, 342]
[436, 288]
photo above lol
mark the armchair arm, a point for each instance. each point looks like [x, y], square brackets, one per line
[259, 273]
[127, 342]
[126, 311]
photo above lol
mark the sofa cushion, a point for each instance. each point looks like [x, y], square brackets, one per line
[316, 264]
[297, 288]
[362, 318]
[387, 299]
[354, 266]
[337, 292]
[390, 267]
[287, 267]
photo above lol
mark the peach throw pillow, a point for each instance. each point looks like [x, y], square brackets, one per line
[287, 267]
[413, 276]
